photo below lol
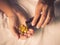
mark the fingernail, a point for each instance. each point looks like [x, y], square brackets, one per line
[32, 24]
[37, 27]
[31, 31]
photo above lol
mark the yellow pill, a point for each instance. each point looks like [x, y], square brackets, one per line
[23, 29]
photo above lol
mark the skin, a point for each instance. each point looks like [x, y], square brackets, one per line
[12, 14]
[45, 17]
[8, 11]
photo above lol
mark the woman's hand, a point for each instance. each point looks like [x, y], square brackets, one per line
[44, 13]
[22, 21]
[14, 20]
[11, 16]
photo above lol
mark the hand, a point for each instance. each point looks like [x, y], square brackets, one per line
[13, 24]
[44, 13]
[11, 16]
[22, 20]
[14, 20]
[26, 35]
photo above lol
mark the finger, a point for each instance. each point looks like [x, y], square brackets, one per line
[28, 32]
[37, 12]
[25, 34]
[23, 37]
[31, 31]
[47, 19]
[43, 16]
[28, 35]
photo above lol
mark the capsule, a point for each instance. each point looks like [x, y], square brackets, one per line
[23, 29]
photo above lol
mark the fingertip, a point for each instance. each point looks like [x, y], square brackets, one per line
[31, 31]
[23, 37]
[37, 27]
[32, 24]
[28, 32]
[29, 35]
[25, 34]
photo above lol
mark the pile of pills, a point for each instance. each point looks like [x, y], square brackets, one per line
[23, 29]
